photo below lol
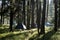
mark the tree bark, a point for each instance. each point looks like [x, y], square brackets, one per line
[32, 5]
[59, 15]
[11, 16]
[38, 16]
[1, 17]
[55, 24]
[28, 15]
[24, 21]
[43, 17]
[11, 21]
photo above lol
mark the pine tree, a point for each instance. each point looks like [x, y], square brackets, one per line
[55, 24]
[43, 17]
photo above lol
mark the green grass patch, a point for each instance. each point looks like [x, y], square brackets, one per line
[16, 35]
[29, 34]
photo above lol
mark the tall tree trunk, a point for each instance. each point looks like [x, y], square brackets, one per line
[2, 13]
[1, 17]
[24, 12]
[47, 9]
[28, 15]
[38, 16]
[43, 17]
[59, 14]
[55, 24]
[32, 5]
[19, 21]
[11, 21]
[11, 16]
[3, 4]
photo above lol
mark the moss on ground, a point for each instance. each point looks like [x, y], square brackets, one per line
[28, 34]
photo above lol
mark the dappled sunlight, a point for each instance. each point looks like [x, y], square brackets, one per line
[22, 34]
[30, 35]
[48, 29]
[49, 35]
[29, 19]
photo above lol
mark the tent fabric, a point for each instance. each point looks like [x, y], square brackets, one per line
[20, 26]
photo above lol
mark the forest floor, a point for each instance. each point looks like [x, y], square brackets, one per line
[28, 34]
[50, 35]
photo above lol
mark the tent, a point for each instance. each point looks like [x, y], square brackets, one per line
[20, 26]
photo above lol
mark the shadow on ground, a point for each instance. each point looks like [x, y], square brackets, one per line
[46, 36]
[19, 36]
[5, 30]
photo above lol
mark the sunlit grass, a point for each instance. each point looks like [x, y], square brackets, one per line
[16, 35]
[29, 34]
[49, 35]
[9, 33]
